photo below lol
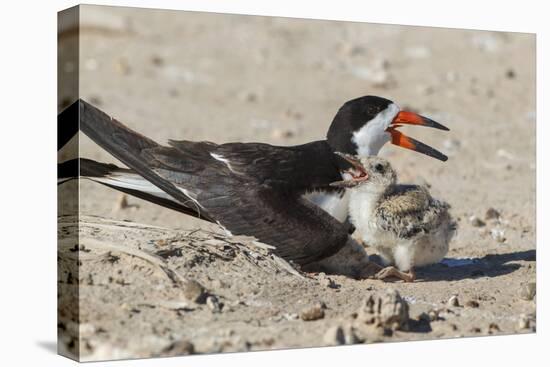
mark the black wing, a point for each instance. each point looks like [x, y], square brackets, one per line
[312, 166]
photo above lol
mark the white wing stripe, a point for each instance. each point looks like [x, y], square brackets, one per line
[135, 182]
[220, 158]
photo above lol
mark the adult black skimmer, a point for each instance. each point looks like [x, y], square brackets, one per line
[404, 223]
[253, 188]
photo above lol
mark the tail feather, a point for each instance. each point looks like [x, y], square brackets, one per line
[124, 180]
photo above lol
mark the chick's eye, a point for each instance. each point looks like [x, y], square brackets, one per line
[379, 167]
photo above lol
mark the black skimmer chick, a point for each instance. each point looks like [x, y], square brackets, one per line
[252, 188]
[404, 223]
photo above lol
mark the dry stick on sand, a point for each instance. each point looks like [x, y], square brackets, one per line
[249, 245]
[152, 259]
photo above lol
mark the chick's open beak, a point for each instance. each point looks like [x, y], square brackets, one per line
[353, 175]
[402, 140]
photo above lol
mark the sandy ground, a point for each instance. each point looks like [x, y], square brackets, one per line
[239, 78]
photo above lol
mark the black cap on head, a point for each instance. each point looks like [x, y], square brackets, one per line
[351, 117]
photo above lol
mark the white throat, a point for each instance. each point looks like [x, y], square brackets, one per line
[362, 204]
[373, 135]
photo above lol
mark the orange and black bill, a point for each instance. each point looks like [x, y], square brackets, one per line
[411, 118]
[402, 140]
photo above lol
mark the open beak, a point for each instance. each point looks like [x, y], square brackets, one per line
[352, 176]
[402, 140]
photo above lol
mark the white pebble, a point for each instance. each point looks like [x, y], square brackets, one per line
[486, 42]
[453, 301]
[334, 336]
[213, 304]
[498, 235]
[91, 64]
[475, 221]
[418, 52]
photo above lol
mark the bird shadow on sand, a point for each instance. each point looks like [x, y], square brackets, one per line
[492, 265]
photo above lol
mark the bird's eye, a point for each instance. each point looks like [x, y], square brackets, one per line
[379, 168]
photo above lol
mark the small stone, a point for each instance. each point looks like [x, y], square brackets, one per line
[483, 231]
[157, 60]
[95, 100]
[493, 327]
[453, 301]
[381, 63]
[227, 332]
[291, 316]
[248, 96]
[472, 303]
[322, 305]
[524, 322]
[486, 41]
[179, 348]
[161, 242]
[528, 291]
[476, 330]
[261, 125]
[498, 235]
[433, 315]
[421, 181]
[418, 52]
[334, 336]
[350, 336]
[475, 221]
[492, 213]
[282, 133]
[194, 292]
[219, 284]
[213, 304]
[425, 89]
[122, 202]
[349, 49]
[504, 154]
[325, 281]
[290, 113]
[313, 313]
[377, 76]
[451, 76]
[122, 67]
[390, 311]
[452, 146]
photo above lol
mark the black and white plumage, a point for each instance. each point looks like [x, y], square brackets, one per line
[251, 188]
[404, 223]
